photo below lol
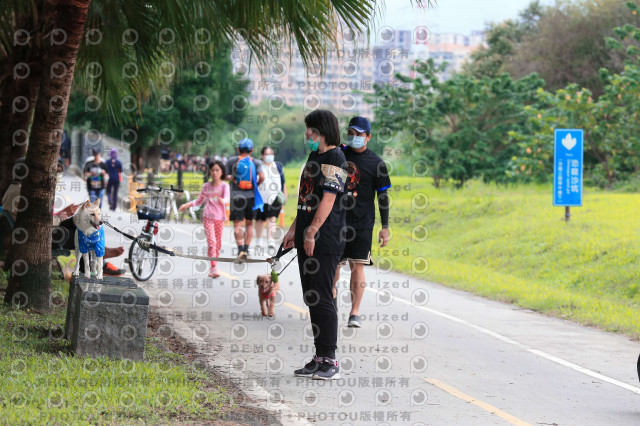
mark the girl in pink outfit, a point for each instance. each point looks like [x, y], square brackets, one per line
[215, 195]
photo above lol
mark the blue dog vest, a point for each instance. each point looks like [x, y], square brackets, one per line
[93, 242]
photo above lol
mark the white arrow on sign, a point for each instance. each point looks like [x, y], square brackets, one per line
[569, 141]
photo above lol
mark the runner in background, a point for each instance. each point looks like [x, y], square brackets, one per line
[95, 173]
[114, 170]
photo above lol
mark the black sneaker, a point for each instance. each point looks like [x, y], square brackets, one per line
[328, 370]
[242, 253]
[310, 368]
[354, 321]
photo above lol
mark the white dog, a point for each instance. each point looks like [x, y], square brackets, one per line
[89, 238]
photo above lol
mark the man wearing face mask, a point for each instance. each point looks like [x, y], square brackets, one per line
[368, 176]
[274, 194]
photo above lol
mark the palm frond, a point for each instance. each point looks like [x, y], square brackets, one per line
[199, 29]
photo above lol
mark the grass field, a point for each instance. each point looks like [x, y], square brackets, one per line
[43, 382]
[511, 244]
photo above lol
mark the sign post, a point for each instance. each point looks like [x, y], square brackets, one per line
[568, 155]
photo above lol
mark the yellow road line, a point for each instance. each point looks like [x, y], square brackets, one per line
[233, 277]
[487, 407]
[296, 308]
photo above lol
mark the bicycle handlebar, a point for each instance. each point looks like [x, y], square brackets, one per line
[159, 189]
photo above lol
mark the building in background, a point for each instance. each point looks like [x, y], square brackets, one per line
[453, 48]
[351, 70]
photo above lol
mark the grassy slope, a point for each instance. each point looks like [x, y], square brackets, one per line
[511, 244]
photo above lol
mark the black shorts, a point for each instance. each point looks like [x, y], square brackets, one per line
[269, 211]
[63, 236]
[241, 208]
[358, 246]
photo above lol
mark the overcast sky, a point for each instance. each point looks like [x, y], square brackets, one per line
[458, 16]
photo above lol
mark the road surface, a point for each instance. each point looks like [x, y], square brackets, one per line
[425, 354]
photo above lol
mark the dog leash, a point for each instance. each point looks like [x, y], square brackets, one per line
[275, 275]
[146, 245]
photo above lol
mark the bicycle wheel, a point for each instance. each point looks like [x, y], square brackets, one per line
[141, 262]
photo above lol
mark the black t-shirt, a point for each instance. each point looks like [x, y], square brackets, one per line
[322, 172]
[95, 181]
[367, 175]
[92, 163]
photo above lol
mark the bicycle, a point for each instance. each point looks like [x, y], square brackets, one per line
[142, 263]
[172, 207]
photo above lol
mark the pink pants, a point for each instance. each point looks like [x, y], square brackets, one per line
[213, 231]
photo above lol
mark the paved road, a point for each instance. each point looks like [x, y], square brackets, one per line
[426, 354]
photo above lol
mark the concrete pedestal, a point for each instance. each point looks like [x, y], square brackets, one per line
[73, 286]
[107, 318]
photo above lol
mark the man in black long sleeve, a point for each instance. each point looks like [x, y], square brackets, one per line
[368, 176]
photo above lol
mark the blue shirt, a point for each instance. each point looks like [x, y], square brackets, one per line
[114, 168]
[93, 242]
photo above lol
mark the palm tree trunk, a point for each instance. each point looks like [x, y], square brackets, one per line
[14, 127]
[31, 272]
[17, 99]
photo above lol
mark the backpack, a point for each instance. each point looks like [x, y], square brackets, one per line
[244, 171]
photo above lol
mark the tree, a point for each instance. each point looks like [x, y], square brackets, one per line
[610, 123]
[195, 106]
[503, 41]
[458, 126]
[285, 136]
[568, 44]
[19, 58]
[30, 281]
[137, 36]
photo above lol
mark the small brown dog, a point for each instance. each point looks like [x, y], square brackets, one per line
[267, 291]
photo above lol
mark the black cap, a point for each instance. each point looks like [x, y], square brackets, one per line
[360, 124]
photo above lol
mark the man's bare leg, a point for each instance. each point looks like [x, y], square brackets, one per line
[259, 228]
[248, 232]
[238, 232]
[271, 228]
[110, 252]
[358, 284]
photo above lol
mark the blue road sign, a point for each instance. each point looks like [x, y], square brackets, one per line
[567, 167]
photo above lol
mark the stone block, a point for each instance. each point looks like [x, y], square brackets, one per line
[109, 320]
[71, 303]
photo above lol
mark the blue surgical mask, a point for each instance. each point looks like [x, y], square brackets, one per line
[356, 142]
[313, 145]
[269, 158]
